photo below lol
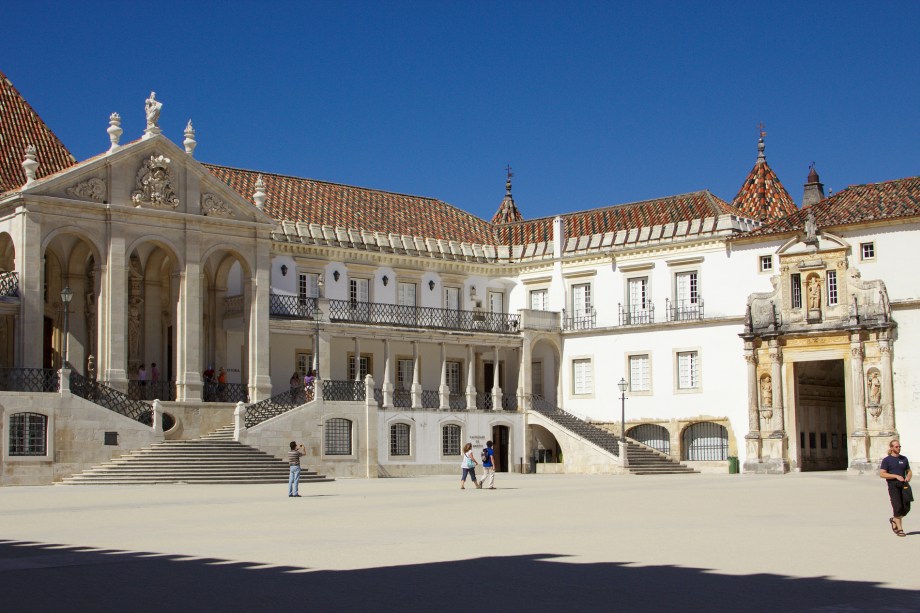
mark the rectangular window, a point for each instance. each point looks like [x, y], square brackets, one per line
[496, 302]
[404, 375]
[867, 251]
[581, 300]
[452, 298]
[406, 294]
[582, 376]
[28, 434]
[796, 280]
[536, 373]
[399, 439]
[454, 379]
[364, 364]
[766, 263]
[688, 370]
[831, 287]
[686, 289]
[358, 290]
[307, 286]
[450, 440]
[337, 436]
[638, 297]
[639, 379]
[304, 363]
[538, 299]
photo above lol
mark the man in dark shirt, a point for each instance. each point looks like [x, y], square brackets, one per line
[294, 456]
[895, 469]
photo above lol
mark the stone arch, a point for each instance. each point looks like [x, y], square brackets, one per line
[545, 447]
[545, 351]
[655, 436]
[401, 436]
[7, 253]
[704, 441]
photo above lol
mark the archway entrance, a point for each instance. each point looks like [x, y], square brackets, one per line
[820, 415]
[501, 443]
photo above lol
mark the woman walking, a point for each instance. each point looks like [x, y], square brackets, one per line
[895, 469]
[469, 467]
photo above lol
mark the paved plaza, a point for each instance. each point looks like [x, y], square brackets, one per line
[816, 541]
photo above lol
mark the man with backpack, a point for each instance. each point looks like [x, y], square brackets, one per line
[488, 466]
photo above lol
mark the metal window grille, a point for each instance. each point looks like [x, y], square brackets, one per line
[9, 284]
[868, 250]
[831, 287]
[639, 379]
[28, 434]
[766, 263]
[796, 280]
[688, 372]
[399, 439]
[653, 435]
[450, 440]
[337, 436]
[705, 441]
[583, 376]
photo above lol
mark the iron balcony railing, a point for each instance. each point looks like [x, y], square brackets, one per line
[684, 310]
[272, 407]
[29, 380]
[99, 393]
[580, 320]
[457, 402]
[151, 390]
[344, 390]
[509, 402]
[422, 317]
[634, 315]
[9, 284]
[484, 401]
[291, 307]
[226, 392]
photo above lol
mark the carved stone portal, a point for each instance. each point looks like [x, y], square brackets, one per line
[154, 184]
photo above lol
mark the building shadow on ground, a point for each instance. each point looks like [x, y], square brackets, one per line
[47, 577]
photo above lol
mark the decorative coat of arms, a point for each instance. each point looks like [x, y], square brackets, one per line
[154, 184]
[212, 206]
[91, 189]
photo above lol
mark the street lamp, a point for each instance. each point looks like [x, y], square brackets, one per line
[622, 385]
[66, 297]
[317, 314]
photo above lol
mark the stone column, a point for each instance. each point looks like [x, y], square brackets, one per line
[30, 268]
[357, 359]
[188, 324]
[113, 341]
[387, 375]
[470, 379]
[416, 378]
[858, 377]
[260, 380]
[750, 357]
[444, 389]
[779, 418]
[887, 417]
[325, 359]
[525, 375]
[496, 390]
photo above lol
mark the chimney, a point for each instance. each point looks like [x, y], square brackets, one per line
[814, 189]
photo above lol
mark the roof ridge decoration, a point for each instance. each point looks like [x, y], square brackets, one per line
[762, 195]
[507, 210]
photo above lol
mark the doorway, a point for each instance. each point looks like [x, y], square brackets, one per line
[820, 415]
[501, 439]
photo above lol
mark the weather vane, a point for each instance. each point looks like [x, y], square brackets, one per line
[760, 128]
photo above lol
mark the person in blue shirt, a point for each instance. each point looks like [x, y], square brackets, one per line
[488, 466]
[895, 469]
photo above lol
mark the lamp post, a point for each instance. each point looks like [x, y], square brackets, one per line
[317, 314]
[622, 385]
[66, 297]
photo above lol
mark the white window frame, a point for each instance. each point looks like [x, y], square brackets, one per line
[795, 290]
[307, 286]
[833, 294]
[404, 367]
[582, 383]
[645, 300]
[303, 359]
[695, 382]
[355, 285]
[454, 371]
[407, 293]
[581, 305]
[766, 263]
[867, 250]
[365, 364]
[691, 280]
[449, 292]
[633, 387]
[538, 299]
[496, 296]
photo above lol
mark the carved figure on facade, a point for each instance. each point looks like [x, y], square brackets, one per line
[91, 189]
[90, 314]
[155, 184]
[152, 108]
[134, 327]
[91, 367]
[212, 206]
[870, 298]
[766, 391]
[874, 385]
[811, 228]
[762, 307]
[814, 293]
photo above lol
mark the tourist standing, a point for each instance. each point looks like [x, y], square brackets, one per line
[222, 384]
[895, 469]
[294, 455]
[468, 465]
[488, 466]
[308, 382]
[295, 387]
[142, 383]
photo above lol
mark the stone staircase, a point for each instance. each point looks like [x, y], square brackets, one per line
[642, 460]
[213, 458]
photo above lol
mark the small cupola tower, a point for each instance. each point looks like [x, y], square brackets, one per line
[814, 189]
[507, 211]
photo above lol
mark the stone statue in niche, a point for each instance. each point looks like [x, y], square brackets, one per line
[91, 367]
[874, 384]
[134, 328]
[152, 108]
[766, 391]
[814, 293]
[154, 184]
[811, 228]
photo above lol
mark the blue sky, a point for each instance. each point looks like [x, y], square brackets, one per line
[592, 103]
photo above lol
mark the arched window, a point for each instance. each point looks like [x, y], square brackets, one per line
[705, 441]
[450, 440]
[399, 439]
[28, 434]
[337, 436]
[653, 435]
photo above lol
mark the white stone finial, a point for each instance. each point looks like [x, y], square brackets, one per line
[30, 165]
[260, 194]
[152, 108]
[114, 130]
[190, 142]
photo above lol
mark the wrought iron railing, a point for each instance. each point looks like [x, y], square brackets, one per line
[271, 407]
[684, 310]
[585, 320]
[509, 402]
[293, 307]
[633, 315]
[225, 392]
[9, 284]
[99, 393]
[402, 399]
[151, 390]
[422, 317]
[457, 402]
[29, 380]
[431, 399]
[233, 305]
[344, 390]
[484, 401]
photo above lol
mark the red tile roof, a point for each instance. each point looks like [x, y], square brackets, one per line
[312, 201]
[658, 211]
[854, 205]
[507, 212]
[20, 126]
[762, 196]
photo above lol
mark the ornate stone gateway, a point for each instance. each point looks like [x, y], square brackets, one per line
[818, 352]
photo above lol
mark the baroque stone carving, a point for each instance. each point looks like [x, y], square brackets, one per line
[766, 391]
[154, 184]
[814, 293]
[91, 189]
[212, 206]
[152, 108]
[874, 385]
[870, 298]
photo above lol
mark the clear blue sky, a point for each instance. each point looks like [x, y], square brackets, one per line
[592, 103]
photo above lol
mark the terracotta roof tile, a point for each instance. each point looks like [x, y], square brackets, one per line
[20, 126]
[762, 195]
[856, 204]
[312, 201]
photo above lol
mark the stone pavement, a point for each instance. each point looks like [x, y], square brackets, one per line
[816, 541]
